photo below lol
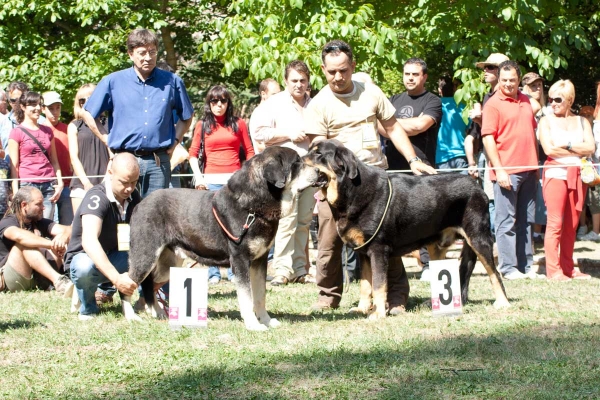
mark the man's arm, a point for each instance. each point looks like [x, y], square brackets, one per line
[93, 248]
[90, 121]
[181, 127]
[26, 238]
[469, 152]
[416, 125]
[61, 235]
[397, 135]
[491, 150]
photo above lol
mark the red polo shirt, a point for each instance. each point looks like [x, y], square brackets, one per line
[512, 123]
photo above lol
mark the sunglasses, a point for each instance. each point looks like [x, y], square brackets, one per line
[82, 101]
[490, 67]
[342, 48]
[13, 100]
[216, 101]
[556, 100]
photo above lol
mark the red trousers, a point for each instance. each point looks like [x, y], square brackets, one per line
[564, 206]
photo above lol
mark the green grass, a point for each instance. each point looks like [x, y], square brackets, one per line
[547, 346]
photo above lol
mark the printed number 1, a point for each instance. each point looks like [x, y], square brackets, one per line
[445, 301]
[187, 284]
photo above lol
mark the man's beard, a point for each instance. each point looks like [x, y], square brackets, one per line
[33, 217]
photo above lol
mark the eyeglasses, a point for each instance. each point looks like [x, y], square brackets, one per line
[556, 100]
[342, 48]
[13, 100]
[490, 67]
[216, 101]
[152, 53]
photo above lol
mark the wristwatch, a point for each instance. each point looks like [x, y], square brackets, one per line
[412, 160]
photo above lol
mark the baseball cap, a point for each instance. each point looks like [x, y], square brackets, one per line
[51, 98]
[493, 59]
[530, 77]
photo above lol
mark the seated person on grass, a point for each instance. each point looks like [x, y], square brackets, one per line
[25, 247]
[93, 255]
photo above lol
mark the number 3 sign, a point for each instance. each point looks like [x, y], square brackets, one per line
[445, 287]
[188, 297]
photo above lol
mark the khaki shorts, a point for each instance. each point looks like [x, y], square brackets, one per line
[593, 200]
[15, 282]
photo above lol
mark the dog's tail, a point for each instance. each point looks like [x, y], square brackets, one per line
[468, 258]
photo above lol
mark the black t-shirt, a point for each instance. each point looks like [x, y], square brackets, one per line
[475, 129]
[41, 228]
[97, 203]
[424, 143]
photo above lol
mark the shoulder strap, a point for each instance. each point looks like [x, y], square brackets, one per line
[35, 140]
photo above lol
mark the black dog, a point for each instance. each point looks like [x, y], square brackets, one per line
[235, 226]
[422, 210]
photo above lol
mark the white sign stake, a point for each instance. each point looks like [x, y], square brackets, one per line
[188, 298]
[445, 288]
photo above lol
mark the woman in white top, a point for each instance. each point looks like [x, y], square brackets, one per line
[565, 138]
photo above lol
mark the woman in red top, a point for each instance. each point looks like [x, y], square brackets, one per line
[224, 134]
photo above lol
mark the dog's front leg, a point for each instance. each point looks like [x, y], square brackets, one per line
[379, 267]
[128, 312]
[244, 295]
[258, 284]
[366, 287]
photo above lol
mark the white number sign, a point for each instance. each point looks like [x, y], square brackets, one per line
[445, 287]
[188, 298]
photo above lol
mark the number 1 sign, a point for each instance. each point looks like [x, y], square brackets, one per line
[445, 287]
[188, 297]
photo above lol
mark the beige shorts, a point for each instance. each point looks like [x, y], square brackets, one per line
[15, 282]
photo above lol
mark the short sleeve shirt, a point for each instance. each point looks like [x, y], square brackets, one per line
[350, 119]
[141, 112]
[34, 165]
[424, 143]
[96, 202]
[41, 228]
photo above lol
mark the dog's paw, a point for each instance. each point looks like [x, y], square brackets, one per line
[256, 327]
[501, 304]
[374, 316]
[273, 323]
[133, 318]
[359, 310]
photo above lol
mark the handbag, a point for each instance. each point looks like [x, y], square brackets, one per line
[589, 173]
[202, 154]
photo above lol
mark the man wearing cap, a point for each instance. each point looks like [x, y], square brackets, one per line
[508, 133]
[141, 101]
[52, 109]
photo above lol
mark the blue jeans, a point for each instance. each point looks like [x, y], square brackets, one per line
[86, 277]
[63, 214]
[456, 162]
[213, 271]
[152, 176]
[515, 213]
[47, 191]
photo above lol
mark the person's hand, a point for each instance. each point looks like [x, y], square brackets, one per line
[59, 244]
[57, 191]
[124, 284]
[503, 179]
[171, 149]
[199, 183]
[473, 171]
[419, 167]
[104, 138]
[298, 136]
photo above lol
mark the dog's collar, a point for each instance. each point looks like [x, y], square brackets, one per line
[249, 221]
[387, 206]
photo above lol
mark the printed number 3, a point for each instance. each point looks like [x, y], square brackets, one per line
[96, 201]
[446, 300]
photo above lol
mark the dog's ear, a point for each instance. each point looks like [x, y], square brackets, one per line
[346, 161]
[274, 173]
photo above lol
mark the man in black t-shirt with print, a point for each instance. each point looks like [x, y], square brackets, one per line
[419, 112]
[93, 254]
[25, 247]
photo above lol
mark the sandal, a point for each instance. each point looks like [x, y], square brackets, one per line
[280, 280]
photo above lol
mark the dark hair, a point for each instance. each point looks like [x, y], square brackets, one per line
[508, 65]
[264, 84]
[336, 47]
[209, 122]
[139, 38]
[24, 194]
[27, 99]
[446, 86]
[418, 61]
[298, 66]
[17, 85]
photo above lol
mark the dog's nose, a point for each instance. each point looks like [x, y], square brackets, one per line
[317, 170]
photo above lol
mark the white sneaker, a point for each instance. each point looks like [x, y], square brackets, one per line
[533, 275]
[581, 231]
[513, 276]
[591, 236]
[426, 275]
[86, 317]
[214, 280]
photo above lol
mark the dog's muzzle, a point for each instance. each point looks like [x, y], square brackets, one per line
[322, 180]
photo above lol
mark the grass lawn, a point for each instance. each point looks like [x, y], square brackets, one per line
[547, 346]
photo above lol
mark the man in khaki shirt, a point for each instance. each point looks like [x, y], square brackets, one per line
[348, 111]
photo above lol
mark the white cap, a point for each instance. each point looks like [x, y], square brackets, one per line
[51, 98]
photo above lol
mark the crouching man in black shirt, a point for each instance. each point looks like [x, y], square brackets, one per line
[24, 244]
[93, 255]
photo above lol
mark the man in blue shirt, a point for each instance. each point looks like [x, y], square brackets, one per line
[141, 101]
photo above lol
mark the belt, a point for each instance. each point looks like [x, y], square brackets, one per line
[140, 153]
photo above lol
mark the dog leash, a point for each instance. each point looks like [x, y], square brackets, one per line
[249, 221]
[387, 206]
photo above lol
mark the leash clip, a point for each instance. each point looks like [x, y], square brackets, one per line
[250, 218]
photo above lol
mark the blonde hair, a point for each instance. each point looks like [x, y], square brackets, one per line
[565, 89]
[83, 92]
